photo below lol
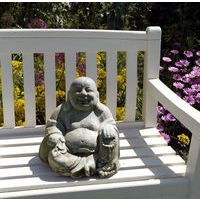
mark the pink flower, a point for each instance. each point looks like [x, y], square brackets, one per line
[177, 77]
[168, 118]
[190, 100]
[174, 51]
[186, 78]
[166, 137]
[188, 53]
[161, 68]
[198, 62]
[160, 110]
[181, 63]
[178, 85]
[166, 59]
[198, 53]
[173, 69]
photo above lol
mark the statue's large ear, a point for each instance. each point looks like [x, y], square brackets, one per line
[98, 95]
[67, 105]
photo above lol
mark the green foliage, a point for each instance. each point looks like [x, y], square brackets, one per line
[180, 23]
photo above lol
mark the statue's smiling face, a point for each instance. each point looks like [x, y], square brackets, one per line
[83, 94]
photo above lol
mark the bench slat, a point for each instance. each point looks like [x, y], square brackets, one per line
[12, 159]
[49, 180]
[91, 65]
[7, 91]
[22, 166]
[24, 138]
[135, 142]
[131, 85]
[29, 90]
[50, 84]
[147, 151]
[70, 68]
[124, 144]
[111, 81]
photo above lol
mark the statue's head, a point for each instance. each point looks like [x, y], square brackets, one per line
[83, 94]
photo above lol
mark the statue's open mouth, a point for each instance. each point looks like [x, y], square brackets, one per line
[83, 101]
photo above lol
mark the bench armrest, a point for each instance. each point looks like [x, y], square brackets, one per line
[190, 117]
[182, 110]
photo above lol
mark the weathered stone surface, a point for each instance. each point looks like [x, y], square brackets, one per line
[81, 137]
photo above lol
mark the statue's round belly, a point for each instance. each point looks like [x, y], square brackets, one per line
[82, 140]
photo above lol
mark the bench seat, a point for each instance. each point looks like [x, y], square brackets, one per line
[147, 163]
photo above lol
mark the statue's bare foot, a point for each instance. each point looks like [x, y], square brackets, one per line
[106, 174]
[108, 170]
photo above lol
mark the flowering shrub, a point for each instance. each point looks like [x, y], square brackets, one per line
[181, 72]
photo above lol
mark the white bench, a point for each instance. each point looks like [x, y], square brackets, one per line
[149, 167]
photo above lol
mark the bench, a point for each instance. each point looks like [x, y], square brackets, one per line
[149, 167]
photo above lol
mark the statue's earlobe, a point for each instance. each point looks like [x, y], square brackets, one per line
[98, 95]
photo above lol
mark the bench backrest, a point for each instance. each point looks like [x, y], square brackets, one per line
[50, 41]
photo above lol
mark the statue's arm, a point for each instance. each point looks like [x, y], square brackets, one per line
[108, 126]
[55, 124]
[52, 127]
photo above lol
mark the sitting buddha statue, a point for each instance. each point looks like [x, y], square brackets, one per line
[81, 137]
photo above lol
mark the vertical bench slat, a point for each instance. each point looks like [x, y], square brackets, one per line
[29, 90]
[111, 81]
[7, 91]
[91, 65]
[131, 85]
[50, 83]
[70, 68]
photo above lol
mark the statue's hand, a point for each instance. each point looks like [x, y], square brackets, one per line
[57, 141]
[90, 165]
[109, 135]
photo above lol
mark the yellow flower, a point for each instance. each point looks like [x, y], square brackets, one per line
[16, 64]
[183, 139]
[60, 94]
[101, 73]
[120, 79]
[120, 113]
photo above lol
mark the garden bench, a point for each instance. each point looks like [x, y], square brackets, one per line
[149, 167]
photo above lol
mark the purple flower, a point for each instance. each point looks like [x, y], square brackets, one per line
[178, 64]
[39, 78]
[188, 91]
[177, 77]
[60, 58]
[178, 85]
[174, 51]
[195, 72]
[161, 68]
[196, 87]
[186, 78]
[166, 59]
[166, 137]
[190, 100]
[197, 98]
[184, 63]
[37, 23]
[188, 53]
[198, 62]
[160, 128]
[198, 53]
[160, 110]
[168, 118]
[173, 69]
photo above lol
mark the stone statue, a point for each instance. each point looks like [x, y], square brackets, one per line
[81, 137]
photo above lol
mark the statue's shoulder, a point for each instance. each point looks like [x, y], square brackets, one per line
[62, 108]
[103, 110]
